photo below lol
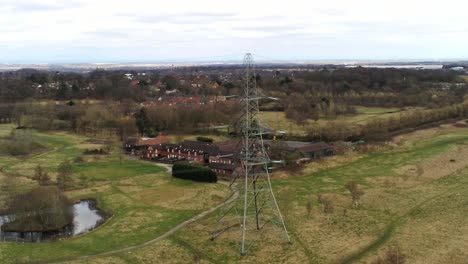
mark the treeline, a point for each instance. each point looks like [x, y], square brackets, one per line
[124, 119]
[303, 107]
[361, 86]
[383, 128]
[180, 118]
[76, 116]
[342, 80]
[26, 84]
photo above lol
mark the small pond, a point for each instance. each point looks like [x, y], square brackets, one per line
[86, 217]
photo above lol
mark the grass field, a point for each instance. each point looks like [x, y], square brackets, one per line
[278, 120]
[423, 213]
[144, 199]
[416, 195]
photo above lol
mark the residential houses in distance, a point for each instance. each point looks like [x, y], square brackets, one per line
[221, 158]
[185, 100]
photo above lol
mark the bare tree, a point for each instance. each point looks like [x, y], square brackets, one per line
[64, 179]
[328, 207]
[40, 209]
[41, 176]
[356, 192]
[309, 208]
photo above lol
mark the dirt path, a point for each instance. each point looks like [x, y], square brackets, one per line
[168, 167]
[161, 237]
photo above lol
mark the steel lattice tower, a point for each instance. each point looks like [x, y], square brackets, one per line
[255, 209]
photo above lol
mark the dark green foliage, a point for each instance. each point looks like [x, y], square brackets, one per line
[193, 172]
[205, 139]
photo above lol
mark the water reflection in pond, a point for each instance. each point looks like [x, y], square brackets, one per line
[85, 218]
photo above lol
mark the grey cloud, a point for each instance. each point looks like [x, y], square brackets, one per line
[34, 6]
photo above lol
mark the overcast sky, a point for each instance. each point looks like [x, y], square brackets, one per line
[51, 31]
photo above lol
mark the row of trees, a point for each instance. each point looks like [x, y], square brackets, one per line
[180, 118]
[26, 84]
[355, 85]
[125, 119]
[381, 128]
[303, 107]
[76, 116]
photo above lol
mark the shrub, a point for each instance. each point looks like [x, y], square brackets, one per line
[205, 139]
[184, 170]
[79, 159]
[40, 209]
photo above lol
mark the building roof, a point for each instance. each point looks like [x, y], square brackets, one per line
[209, 148]
[145, 141]
[315, 147]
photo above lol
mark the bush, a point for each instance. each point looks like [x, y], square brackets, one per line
[205, 139]
[40, 209]
[79, 159]
[19, 143]
[184, 170]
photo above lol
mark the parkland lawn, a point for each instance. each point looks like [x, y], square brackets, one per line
[278, 120]
[144, 200]
[416, 198]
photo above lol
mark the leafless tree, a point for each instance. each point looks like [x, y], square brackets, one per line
[309, 208]
[356, 192]
[40, 209]
[64, 178]
[41, 176]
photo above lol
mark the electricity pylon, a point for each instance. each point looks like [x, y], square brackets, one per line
[255, 209]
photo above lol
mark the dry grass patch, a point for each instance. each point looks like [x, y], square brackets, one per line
[88, 192]
[167, 252]
[436, 167]
[436, 233]
[181, 198]
[409, 138]
[101, 260]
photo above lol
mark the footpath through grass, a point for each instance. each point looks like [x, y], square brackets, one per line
[423, 215]
[144, 200]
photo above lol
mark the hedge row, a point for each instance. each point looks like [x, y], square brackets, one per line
[184, 170]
